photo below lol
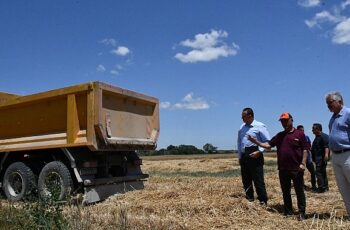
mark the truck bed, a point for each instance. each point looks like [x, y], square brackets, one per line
[96, 115]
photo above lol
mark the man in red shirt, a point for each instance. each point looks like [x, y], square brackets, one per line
[291, 160]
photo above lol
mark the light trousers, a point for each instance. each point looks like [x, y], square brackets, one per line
[341, 167]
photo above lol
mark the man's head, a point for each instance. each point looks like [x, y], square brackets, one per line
[334, 102]
[316, 128]
[248, 115]
[300, 127]
[286, 120]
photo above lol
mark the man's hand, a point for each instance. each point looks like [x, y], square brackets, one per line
[326, 158]
[255, 154]
[302, 167]
[252, 139]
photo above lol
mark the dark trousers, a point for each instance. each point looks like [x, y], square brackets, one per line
[286, 177]
[310, 166]
[252, 170]
[321, 174]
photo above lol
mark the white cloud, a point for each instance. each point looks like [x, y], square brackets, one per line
[109, 41]
[207, 54]
[345, 4]
[342, 33]
[309, 3]
[338, 24]
[114, 72]
[100, 68]
[322, 17]
[188, 102]
[119, 67]
[202, 41]
[121, 51]
[165, 105]
[207, 47]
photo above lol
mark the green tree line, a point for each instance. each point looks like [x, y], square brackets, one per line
[184, 150]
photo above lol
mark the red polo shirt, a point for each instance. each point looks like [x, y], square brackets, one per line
[290, 146]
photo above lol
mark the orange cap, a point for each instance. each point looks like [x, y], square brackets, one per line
[285, 116]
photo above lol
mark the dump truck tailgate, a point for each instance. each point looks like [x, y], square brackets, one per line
[97, 115]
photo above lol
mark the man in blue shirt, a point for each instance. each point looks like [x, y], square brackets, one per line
[251, 157]
[339, 143]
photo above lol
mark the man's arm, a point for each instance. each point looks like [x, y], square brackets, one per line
[265, 145]
[239, 142]
[263, 136]
[303, 162]
[305, 146]
[327, 153]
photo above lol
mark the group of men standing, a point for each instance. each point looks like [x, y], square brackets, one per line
[293, 150]
[318, 155]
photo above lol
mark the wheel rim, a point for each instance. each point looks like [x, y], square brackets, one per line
[15, 184]
[53, 186]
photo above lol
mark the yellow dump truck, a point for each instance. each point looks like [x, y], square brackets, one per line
[79, 139]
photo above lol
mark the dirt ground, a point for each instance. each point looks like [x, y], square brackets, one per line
[206, 193]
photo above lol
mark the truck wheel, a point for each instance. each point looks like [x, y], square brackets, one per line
[19, 181]
[55, 181]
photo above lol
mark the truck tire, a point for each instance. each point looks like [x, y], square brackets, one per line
[18, 182]
[55, 181]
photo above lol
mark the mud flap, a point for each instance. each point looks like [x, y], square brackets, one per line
[97, 193]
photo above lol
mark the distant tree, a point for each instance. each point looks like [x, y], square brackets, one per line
[147, 152]
[209, 148]
[171, 147]
[173, 150]
[161, 152]
[188, 150]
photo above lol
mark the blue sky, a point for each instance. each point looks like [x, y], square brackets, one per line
[204, 59]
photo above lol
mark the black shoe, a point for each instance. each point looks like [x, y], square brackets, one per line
[322, 190]
[288, 213]
[263, 203]
[301, 216]
[314, 189]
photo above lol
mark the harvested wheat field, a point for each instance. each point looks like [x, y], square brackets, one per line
[206, 193]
